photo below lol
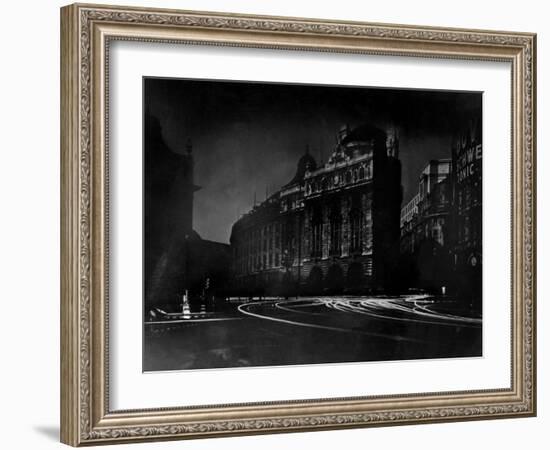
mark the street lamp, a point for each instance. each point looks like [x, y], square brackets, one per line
[287, 264]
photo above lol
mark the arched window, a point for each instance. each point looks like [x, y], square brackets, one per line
[361, 172]
[316, 232]
[335, 230]
[356, 240]
[348, 177]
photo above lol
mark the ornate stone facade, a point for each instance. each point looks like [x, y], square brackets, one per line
[332, 229]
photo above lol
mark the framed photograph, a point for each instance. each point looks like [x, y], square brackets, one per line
[274, 224]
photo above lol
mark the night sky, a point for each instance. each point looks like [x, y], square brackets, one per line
[248, 137]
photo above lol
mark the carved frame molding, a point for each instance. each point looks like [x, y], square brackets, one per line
[86, 31]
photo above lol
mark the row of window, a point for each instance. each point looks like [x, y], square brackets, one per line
[335, 229]
[469, 195]
[468, 230]
[248, 262]
[334, 180]
[261, 249]
[261, 240]
[259, 262]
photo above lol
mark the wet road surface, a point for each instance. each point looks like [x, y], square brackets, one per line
[314, 330]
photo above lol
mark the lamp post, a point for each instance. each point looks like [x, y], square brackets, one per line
[287, 263]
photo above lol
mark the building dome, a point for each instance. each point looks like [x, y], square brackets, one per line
[365, 133]
[305, 163]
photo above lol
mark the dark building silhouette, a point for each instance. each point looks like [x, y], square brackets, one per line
[334, 228]
[441, 226]
[176, 258]
[467, 163]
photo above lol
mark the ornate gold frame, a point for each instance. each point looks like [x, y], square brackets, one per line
[86, 31]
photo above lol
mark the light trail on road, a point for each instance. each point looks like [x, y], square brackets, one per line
[303, 305]
[429, 312]
[402, 309]
[315, 330]
[216, 319]
[245, 309]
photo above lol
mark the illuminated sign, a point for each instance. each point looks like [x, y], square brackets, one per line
[468, 163]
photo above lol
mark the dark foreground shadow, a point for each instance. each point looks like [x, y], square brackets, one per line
[51, 432]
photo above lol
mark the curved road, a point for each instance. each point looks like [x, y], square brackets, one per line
[311, 330]
[346, 313]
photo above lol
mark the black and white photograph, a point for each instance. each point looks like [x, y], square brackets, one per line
[296, 224]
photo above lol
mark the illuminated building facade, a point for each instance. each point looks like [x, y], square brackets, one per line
[334, 228]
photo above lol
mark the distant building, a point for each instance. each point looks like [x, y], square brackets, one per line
[409, 211]
[425, 216]
[441, 226]
[425, 224]
[333, 228]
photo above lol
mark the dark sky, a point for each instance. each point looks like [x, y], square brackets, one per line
[249, 136]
